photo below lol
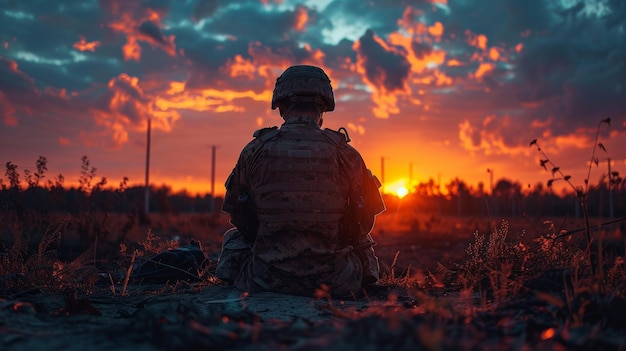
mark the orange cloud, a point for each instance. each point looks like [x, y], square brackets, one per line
[494, 54]
[301, 19]
[261, 70]
[84, 45]
[115, 123]
[356, 128]
[131, 50]
[420, 56]
[578, 140]
[64, 141]
[436, 30]
[411, 24]
[8, 111]
[490, 142]
[129, 108]
[216, 100]
[264, 65]
[478, 41]
[239, 67]
[419, 60]
[483, 69]
[145, 29]
[539, 124]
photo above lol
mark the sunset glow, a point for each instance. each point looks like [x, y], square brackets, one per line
[397, 188]
[402, 192]
[435, 92]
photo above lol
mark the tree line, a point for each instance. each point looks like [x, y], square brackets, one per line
[511, 198]
[34, 191]
[30, 191]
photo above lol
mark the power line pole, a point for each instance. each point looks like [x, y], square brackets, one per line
[490, 171]
[213, 152]
[611, 213]
[382, 174]
[147, 186]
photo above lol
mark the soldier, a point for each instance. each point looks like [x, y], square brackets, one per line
[302, 201]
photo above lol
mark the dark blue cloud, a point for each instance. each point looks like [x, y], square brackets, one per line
[247, 22]
[13, 81]
[384, 68]
[204, 9]
[501, 21]
[571, 68]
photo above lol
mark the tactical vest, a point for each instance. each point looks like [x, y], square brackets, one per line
[301, 179]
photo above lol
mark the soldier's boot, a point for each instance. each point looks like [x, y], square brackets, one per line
[234, 253]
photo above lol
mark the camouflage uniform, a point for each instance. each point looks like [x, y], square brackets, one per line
[288, 196]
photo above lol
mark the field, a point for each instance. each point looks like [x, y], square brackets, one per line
[461, 283]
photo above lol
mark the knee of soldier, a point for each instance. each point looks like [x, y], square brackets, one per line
[233, 240]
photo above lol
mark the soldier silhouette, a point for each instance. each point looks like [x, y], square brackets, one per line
[301, 200]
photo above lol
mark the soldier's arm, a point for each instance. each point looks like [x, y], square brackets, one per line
[238, 203]
[365, 200]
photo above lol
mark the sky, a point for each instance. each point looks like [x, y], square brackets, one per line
[427, 89]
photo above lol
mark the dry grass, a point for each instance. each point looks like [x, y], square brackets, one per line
[511, 287]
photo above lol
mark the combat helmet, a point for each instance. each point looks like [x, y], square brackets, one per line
[304, 83]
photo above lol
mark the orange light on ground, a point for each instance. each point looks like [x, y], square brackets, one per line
[547, 334]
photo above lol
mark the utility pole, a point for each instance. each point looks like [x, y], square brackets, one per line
[212, 207]
[439, 183]
[382, 174]
[147, 186]
[490, 199]
[611, 213]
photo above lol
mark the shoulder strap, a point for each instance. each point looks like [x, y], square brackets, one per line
[265, 134]
[337, 136]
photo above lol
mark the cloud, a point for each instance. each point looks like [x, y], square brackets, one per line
[385, 69]
[126, 107]
[480, 77]
[565, 74]
[139, 24]
[13, 81]
[301, 17]
[84, 45]
[17, 91]
[204, 9]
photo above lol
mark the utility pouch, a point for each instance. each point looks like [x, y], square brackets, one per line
[244, 217]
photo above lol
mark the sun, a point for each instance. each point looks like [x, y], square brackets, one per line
[397, 188]
[401, 192]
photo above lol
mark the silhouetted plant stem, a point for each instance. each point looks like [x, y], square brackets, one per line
[581, 192]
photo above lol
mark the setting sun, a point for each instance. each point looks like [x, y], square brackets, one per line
[398, 188]
[401, 192]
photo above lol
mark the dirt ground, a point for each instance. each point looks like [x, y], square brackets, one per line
[222, 318]
[212, 316]
[209, 317]
[199, 316]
